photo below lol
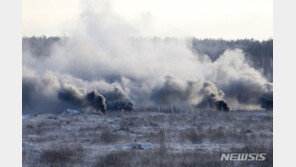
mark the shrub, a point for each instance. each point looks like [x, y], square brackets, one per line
[108, 137]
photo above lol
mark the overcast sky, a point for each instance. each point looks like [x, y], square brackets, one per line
[229, 19]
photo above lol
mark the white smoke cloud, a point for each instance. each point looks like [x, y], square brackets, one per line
[104, 54]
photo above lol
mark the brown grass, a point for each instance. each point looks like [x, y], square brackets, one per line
[62, 156]
[108, 137]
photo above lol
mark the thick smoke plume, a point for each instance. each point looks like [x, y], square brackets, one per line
[202, 94]
[104, 66]
[73, 96]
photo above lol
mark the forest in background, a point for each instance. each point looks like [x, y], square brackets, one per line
[259, 53]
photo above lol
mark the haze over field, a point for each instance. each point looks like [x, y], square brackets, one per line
[103, 66]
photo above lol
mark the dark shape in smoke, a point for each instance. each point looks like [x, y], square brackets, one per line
[100, 55]
[48, 95]
[109, 58]
[189, 95]
[266, 101]
[244, 87]
[222, 105]
[92, 99]
[212, 97]
[117, 100]
[213, 104]
[97, 101]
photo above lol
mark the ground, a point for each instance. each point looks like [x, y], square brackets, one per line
[146, 138]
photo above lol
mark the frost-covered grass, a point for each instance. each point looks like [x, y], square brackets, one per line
[180, 139]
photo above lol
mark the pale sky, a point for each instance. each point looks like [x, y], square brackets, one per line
[229, 19]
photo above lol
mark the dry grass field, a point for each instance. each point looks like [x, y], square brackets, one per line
[145, 138]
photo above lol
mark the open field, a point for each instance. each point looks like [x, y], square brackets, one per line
[146, 138]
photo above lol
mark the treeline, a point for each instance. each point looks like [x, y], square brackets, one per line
[39, 46]
[259, 53]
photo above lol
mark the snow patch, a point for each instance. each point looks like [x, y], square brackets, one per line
[70, 112]
[25, 116]
[140, 146]
[260, 116]
[30, 147]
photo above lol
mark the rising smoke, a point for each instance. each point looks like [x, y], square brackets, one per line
[102, 66]
[202, 94]
[92, 99]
